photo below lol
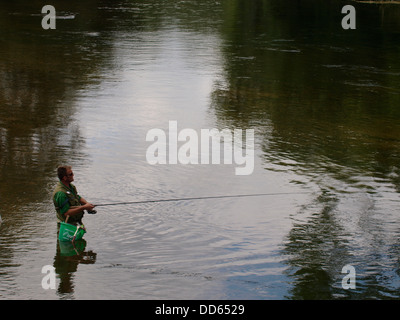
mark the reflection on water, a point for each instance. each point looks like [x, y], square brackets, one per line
[327, 111]
[324, 106]
[66, 261]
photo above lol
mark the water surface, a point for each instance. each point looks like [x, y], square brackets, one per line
[324, 106]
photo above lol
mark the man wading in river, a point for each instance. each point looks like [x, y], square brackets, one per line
[67, 200]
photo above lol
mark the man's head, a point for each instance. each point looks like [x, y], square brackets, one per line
[65, 174]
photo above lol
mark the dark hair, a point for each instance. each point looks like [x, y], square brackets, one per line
[62, 171]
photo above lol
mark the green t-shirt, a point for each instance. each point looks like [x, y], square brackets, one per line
[62, 201]
[64, 197]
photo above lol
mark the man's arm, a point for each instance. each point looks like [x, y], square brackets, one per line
[83, 201]
[76, 210]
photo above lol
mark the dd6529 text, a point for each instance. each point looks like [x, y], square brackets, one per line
[221, 309]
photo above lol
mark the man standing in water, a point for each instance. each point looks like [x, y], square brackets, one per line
[66, 199]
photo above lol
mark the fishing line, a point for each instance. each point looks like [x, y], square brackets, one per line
[200, 198]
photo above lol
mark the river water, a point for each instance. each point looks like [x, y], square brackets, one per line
[324, 106]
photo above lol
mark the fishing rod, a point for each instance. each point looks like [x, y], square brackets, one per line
[199, 198]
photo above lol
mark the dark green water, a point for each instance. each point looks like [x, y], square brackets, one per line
[325, 107]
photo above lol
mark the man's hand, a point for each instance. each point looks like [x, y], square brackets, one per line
[88, 207]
